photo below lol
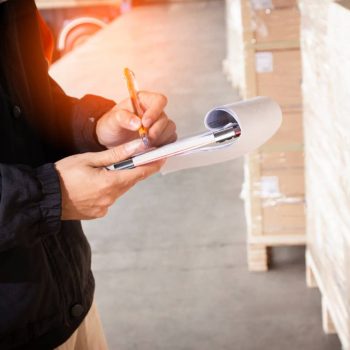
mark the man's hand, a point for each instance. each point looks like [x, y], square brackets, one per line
[120, 124]
[88, 189]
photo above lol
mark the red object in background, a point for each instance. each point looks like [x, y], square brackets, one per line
[46, 38]
[72, 25]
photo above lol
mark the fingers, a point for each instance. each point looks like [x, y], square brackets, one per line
[121, 181]
[145, 171]
[153, 104]
[121, 125]
[132, 176]
[168, 136]
[122, 118]
[163, 131]
[114, 184]
[116, 154]
[158, 127]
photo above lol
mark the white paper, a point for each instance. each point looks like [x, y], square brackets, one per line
[264, 62]
[258, 118]
[269, 187]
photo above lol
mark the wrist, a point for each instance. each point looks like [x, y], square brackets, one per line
[50, 205]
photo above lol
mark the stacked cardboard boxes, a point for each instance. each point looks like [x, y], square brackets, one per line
[274, 175]
[326, 96]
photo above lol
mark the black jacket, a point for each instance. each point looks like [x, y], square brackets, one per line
[46, 284]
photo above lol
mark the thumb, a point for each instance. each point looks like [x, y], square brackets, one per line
[116, 154]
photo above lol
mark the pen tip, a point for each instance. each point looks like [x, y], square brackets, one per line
[145, 141]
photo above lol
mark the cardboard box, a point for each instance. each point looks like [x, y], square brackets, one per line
[284, 160]
[281, 184]
[290, 132]
[276, 25]
[271, 4]
[286, 219]
[278, 75]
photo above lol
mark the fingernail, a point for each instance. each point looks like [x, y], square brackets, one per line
[135, 123]
[133, 146]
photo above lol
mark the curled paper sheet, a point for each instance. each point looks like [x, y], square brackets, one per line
[258, 118]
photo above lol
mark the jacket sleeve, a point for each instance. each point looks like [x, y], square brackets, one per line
[30, 204]
[77, 119]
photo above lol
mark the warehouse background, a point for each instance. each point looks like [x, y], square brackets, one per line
[214, 258]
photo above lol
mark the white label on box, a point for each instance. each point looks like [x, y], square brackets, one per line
[269, 187]
[264, 62]
[261, 4]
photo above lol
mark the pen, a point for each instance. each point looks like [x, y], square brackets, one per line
[132, 88]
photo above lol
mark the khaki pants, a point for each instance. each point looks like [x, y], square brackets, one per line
[89, 335]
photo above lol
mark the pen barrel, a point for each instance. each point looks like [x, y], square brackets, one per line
[136, 104]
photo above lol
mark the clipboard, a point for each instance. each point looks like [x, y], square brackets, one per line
[233, 130]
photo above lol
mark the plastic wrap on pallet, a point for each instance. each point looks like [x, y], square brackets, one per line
[281, 176]
[280, 191]
[273, 22]
[326, 94]
[234, 65]
[272, 4]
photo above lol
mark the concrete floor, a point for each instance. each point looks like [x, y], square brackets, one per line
[170, 258]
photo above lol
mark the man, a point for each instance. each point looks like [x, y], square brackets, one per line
[46, 285]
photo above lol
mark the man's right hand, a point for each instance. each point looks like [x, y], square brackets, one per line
[88, 189]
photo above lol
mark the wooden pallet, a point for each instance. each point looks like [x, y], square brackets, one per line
[259, 249]
[331, 323]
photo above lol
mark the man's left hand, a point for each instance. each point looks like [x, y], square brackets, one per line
[120, 124]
